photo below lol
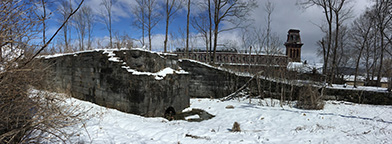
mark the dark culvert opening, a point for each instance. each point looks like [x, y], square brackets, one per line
[169, 113]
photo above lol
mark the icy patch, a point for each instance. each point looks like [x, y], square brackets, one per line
[158, 75]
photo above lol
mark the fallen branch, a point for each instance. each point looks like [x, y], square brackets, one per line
[197, 137]
[233, 95]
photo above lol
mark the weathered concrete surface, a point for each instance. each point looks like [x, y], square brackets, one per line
[360, 96]
[209, 82]
[91, 76]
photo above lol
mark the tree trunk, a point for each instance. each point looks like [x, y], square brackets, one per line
[334, 65]
[167, 26]
[390, 83]
[187, 30]
[110, 28]
[379, 75]
[43, 22]
[143, 25]
[210, 31]
[357, 66]
[216, 28]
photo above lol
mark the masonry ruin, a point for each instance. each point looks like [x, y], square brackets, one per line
[133, 81]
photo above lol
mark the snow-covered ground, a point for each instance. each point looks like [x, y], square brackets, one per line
[339, 122]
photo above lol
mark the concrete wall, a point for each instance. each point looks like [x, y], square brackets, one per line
[208, 82]
[98, 77]
[91, 76]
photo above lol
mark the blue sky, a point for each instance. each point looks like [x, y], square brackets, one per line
[286, 15]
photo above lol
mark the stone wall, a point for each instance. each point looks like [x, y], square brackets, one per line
[211, 82]
[126, 80]
[130, 81]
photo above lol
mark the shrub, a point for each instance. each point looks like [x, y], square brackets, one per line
[236, 127]
[310, 98]
[35, 117]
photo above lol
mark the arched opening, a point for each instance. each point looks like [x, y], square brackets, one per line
[169, 113]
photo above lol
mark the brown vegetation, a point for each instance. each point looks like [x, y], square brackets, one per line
[27, 116]
[236, 127]
[310, 98]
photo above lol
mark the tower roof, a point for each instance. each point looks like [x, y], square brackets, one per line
[293, 30]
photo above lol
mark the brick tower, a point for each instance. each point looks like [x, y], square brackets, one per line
[293, 45]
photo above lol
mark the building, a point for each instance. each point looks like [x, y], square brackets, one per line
[293, 45]
[233, 58]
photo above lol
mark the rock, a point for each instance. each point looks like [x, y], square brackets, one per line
[229, 107]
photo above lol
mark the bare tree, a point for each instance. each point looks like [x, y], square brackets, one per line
[383, 18]
[147, 16]
[139, 13]
[269, 9]
[232, 11]
[335, 11]
[65, 9]
[17, 29]
[250, 37]
[89, 18]
[84, 21]
[209, 29]
[43, 17]
[123, 41]
[153, 17]
[26, 117]
[107, 17]
[187, 29]
[81, 25]
[360, 33]
[200, 23]
[341, 14]
[263, 40]
[171, 7]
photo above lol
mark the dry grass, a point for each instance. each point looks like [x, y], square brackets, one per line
[236, 127]
[32, 117]
[310, 98]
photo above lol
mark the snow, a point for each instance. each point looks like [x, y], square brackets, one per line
[220, 68]
[9, 55]
[107, 50]
[304, 68]
[65, 54]
[352, 77]
[338, 122]
[364, 88]
[192, 117]
[112, 55]
[362, 78]
[158, 75]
